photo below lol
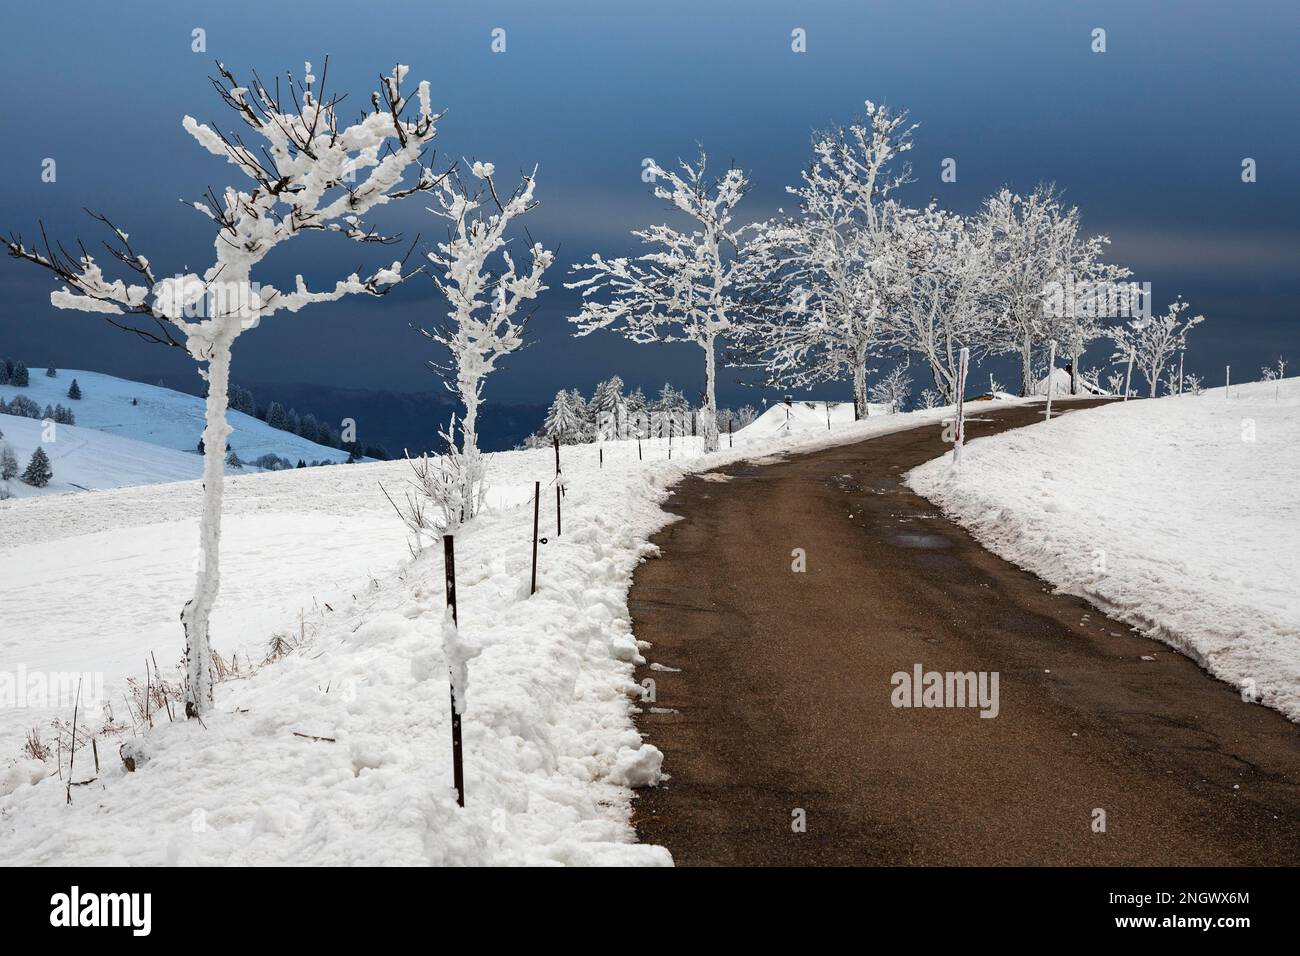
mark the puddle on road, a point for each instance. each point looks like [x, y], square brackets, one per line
[927, 541]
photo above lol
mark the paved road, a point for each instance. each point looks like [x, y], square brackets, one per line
[774, 692]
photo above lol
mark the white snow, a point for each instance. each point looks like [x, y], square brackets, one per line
[163, 417]
[83, 459]
[800, 417]
[1177, 515]
[551, 753]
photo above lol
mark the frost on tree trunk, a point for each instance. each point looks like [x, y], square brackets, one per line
[708, 418]
[195, 614]
[860, 410]
[1027, 368]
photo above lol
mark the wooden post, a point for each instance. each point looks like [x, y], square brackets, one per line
[638, 442]
[959, 437]
[601, 449]
[1051, 367]
[731, 431]
[1128, 376]
[457, 762]
[828, 416]
[670, 437]
[537, 506]
[556, 439]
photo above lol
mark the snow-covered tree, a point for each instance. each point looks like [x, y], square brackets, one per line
[1084, 293]
[893, 389]
[8, 461]
[276, 417]
[608, 408]
[1153, 341]
[936, 299]
[823, 322]
[562, 420]
[1026, 237]
[481, 327]
[686, 288]
[39, 472]
[51, 371]
[74, 390]
[309, 173]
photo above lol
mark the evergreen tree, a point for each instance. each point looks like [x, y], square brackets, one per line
[6, 372]
[275, 416]
[74, 390]
[233, 460]
[20, 375]
[39, 472]
[8, 461]
[636, 402]
[294, 423]
[608, 407]
[562, 419]
[309, 428]
[301, 463]
[24, 407]
[50, 371]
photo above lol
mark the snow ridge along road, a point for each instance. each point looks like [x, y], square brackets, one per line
[773, 691]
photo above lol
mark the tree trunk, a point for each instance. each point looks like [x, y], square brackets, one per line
[860, 409]
[195, 614]
[708, 418]
[1027, 367]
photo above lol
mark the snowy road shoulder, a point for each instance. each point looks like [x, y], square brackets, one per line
[1177, 515]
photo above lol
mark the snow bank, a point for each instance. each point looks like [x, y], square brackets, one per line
[800, 417]
[340, 752]
[1177, 515]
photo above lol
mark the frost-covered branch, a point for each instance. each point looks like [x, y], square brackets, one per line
[481, 326]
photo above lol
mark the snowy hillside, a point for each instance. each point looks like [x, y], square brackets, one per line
[339, 752]
[83, 459]
[1178, 515]
[162, 416]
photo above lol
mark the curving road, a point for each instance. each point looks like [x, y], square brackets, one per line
[773, 692]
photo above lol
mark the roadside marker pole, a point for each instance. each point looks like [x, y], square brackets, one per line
[457, 761]
[1128, 376]
[1180, 373]
[559, 486]
[556, 439]
[537, 507]
[1227, 379]
[1051, 367]
[828, 416]
[959, 438]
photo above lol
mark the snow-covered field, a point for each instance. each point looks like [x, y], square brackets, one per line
[94, 583]
[84, 459]
[1178, 515]
[165, 422]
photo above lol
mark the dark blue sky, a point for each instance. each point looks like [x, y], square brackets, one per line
[1147, 139]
